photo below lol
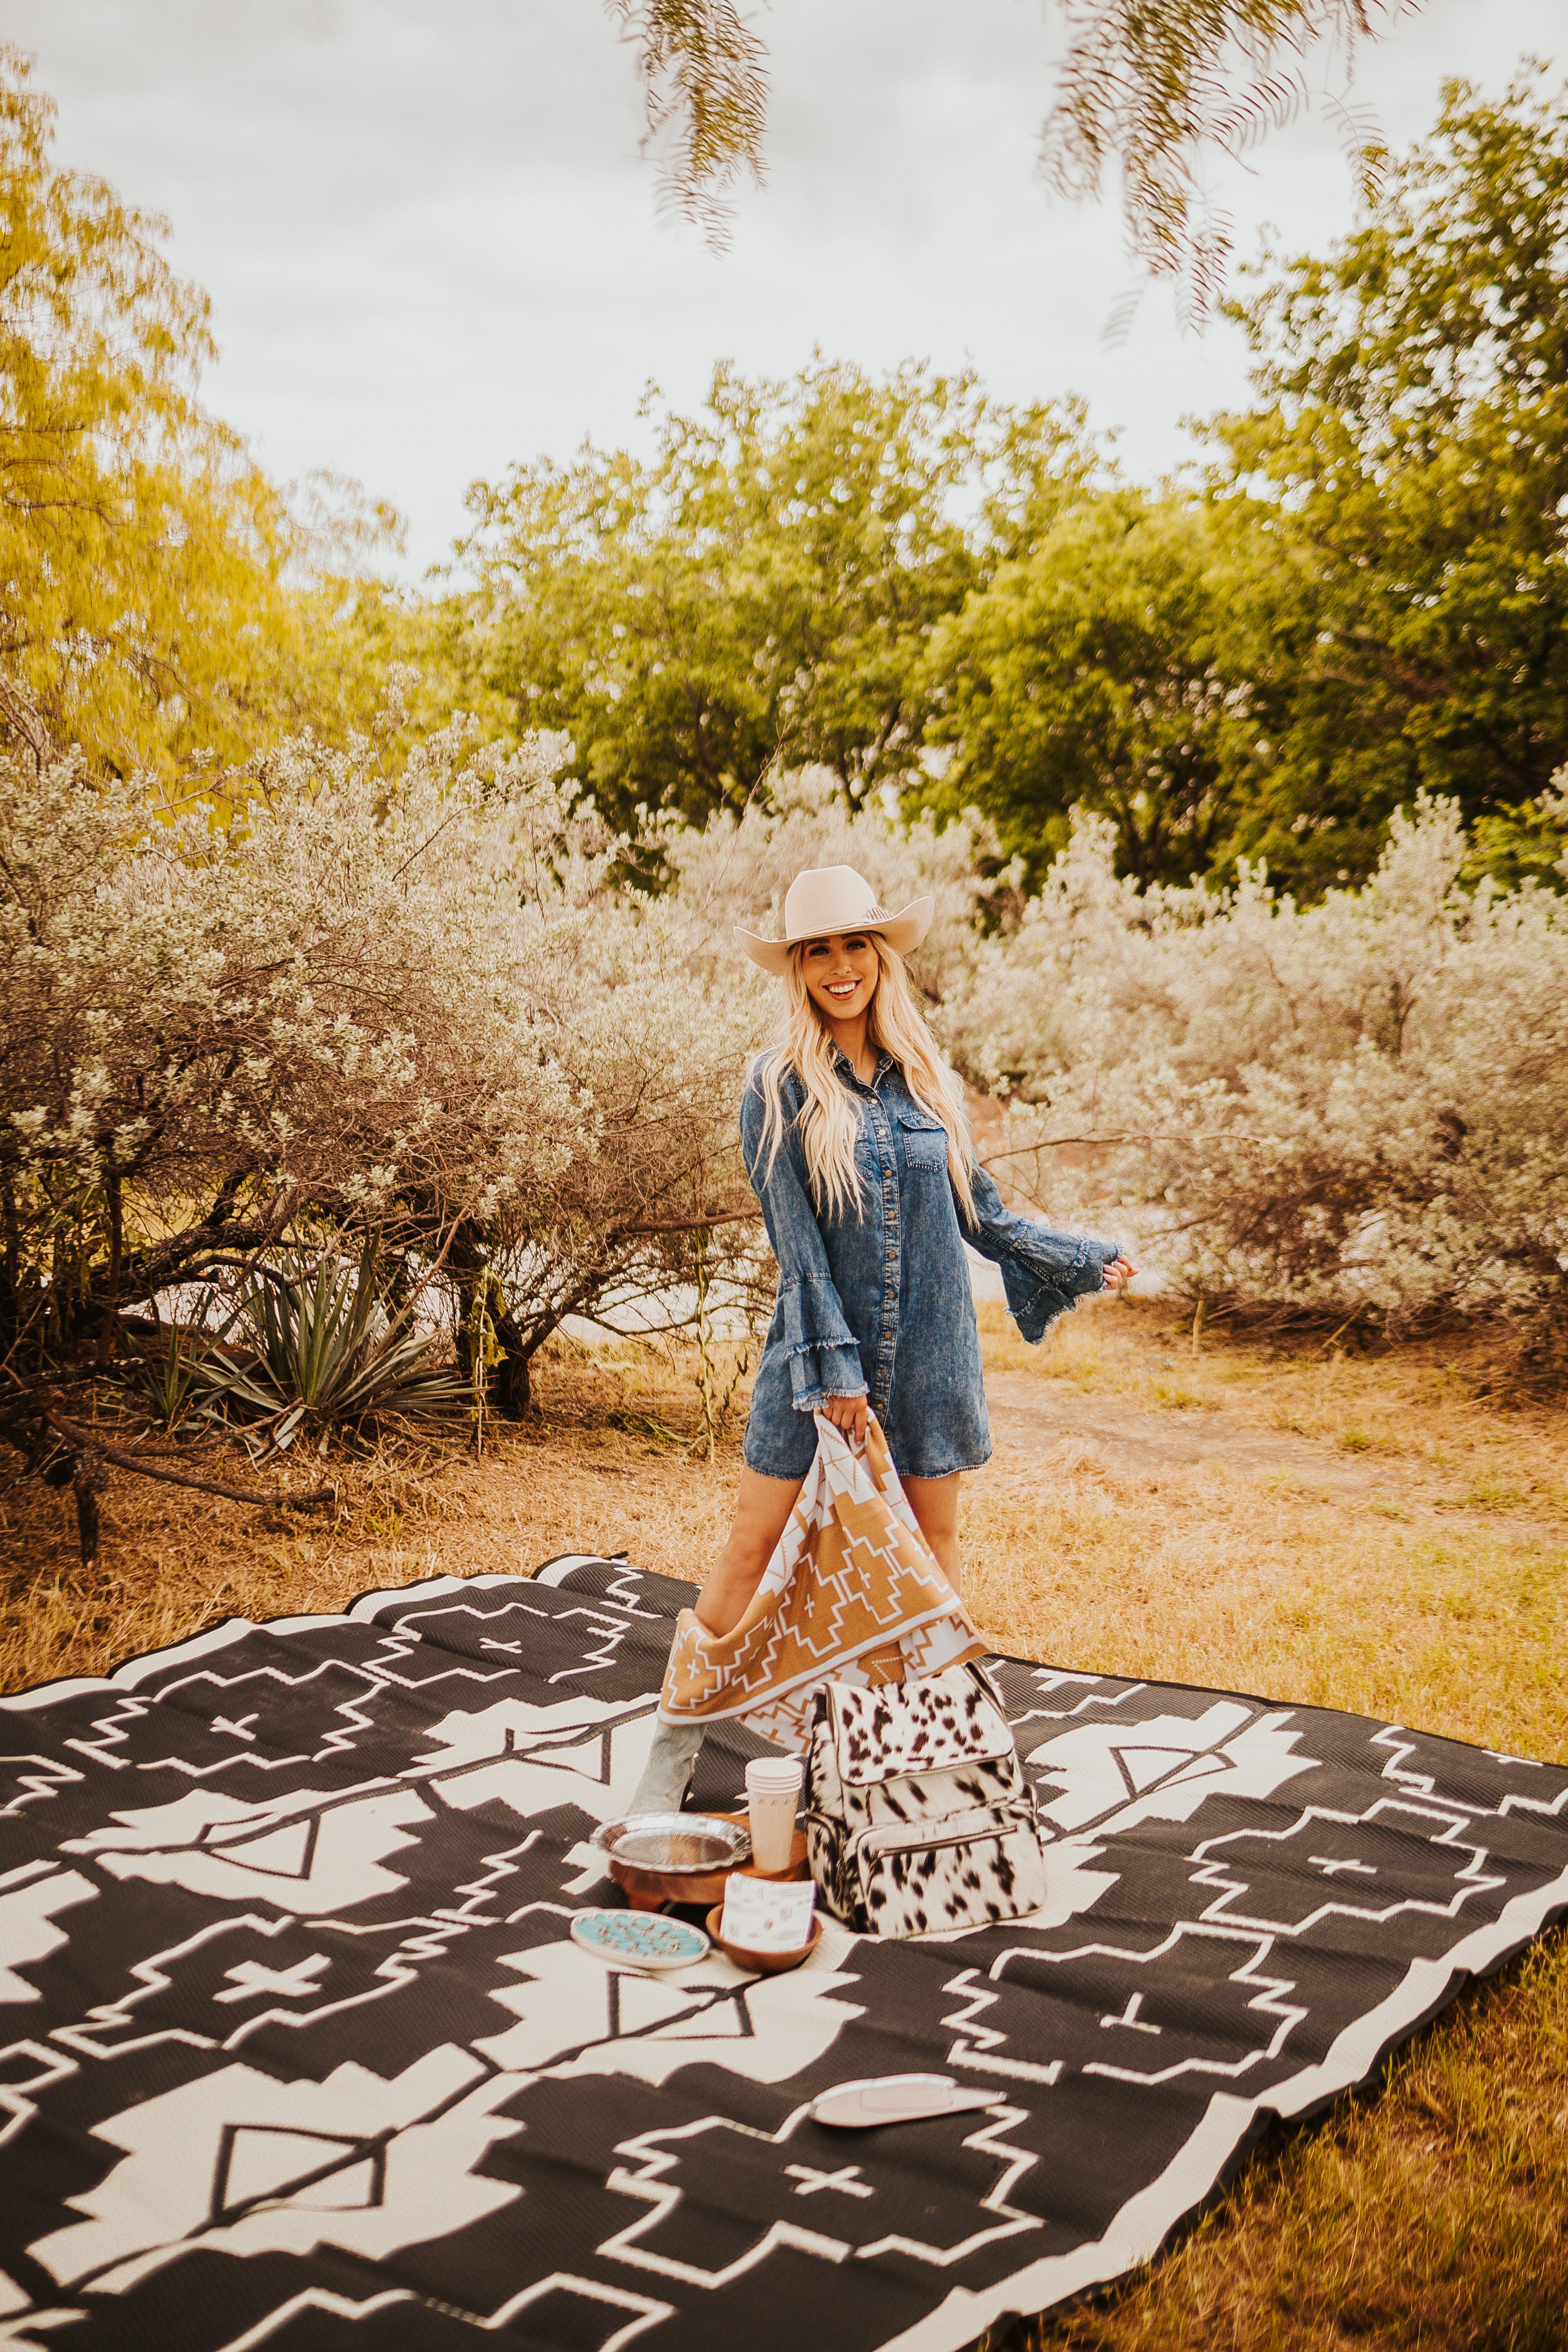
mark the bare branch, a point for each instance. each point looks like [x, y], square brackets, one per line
[324, 1499]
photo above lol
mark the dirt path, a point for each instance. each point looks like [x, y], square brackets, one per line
[1037, 1415]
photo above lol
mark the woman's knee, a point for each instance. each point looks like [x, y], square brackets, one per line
[761, 1515]
[935, 1502]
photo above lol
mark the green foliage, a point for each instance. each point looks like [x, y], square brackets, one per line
[1104, 670]
[1370, 599]
[1410, 458]
[761, 593]
[1523, 845]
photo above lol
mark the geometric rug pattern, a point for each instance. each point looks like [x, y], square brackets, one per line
[295, 2051]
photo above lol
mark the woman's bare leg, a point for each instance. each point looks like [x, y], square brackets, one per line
[935, 1502]
[761, 1515]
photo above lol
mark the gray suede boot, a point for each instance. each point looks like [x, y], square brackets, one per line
[672, 1761]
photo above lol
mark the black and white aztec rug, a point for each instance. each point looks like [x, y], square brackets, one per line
[298, 2052]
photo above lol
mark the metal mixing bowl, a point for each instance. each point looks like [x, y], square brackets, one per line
[674, 1845]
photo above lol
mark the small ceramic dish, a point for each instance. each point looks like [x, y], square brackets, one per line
[762, 1964]
[634, 1939]
[671, 1857]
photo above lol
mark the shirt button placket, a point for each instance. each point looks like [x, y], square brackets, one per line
[890, 1257]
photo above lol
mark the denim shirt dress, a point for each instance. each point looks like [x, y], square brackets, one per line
[877, 1298]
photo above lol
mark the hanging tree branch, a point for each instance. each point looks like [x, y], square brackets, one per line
[64, 1452]
[1151, 90]
[1147, 88]
[705, 88]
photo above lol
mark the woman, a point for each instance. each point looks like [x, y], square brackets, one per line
[858, 1151]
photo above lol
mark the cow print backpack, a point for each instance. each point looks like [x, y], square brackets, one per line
[918, 1817]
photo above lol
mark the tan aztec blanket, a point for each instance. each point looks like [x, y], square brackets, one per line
[852, 1593]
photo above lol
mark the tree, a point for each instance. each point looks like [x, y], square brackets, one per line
[761, 593]
[1370, 601]
[1409, 459]
[1148, 89]
[1102, 670]
[160, 597]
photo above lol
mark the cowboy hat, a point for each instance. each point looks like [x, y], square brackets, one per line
[831, 899]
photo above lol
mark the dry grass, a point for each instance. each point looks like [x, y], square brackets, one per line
[1436, 1427]
[1422, 1578]
[587, 1476]
[1266, 1582]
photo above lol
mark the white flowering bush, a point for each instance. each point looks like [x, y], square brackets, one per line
[1358, 1108]
[339, 998]
[408, 1013]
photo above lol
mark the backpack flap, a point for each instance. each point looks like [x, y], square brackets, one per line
[895, 1729]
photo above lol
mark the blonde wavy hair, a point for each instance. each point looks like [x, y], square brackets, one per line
[830, 1117]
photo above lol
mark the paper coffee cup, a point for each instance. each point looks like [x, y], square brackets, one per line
[772, 1793]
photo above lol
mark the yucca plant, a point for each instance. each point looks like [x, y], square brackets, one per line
[316, 1352]
[182, 1381]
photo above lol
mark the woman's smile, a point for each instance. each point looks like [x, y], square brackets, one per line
[841, 974]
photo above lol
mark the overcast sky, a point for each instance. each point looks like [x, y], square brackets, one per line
[432, 247]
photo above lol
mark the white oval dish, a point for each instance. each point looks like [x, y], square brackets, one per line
[896, 2099]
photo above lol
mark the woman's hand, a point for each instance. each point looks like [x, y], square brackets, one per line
[1119, 1272]
[847, 1414]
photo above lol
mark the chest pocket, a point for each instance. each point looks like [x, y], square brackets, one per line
[924, 1143]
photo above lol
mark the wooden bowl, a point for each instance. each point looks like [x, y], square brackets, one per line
[762, 1964]
[651, 1890]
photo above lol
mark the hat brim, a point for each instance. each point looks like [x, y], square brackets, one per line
[903, 931]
